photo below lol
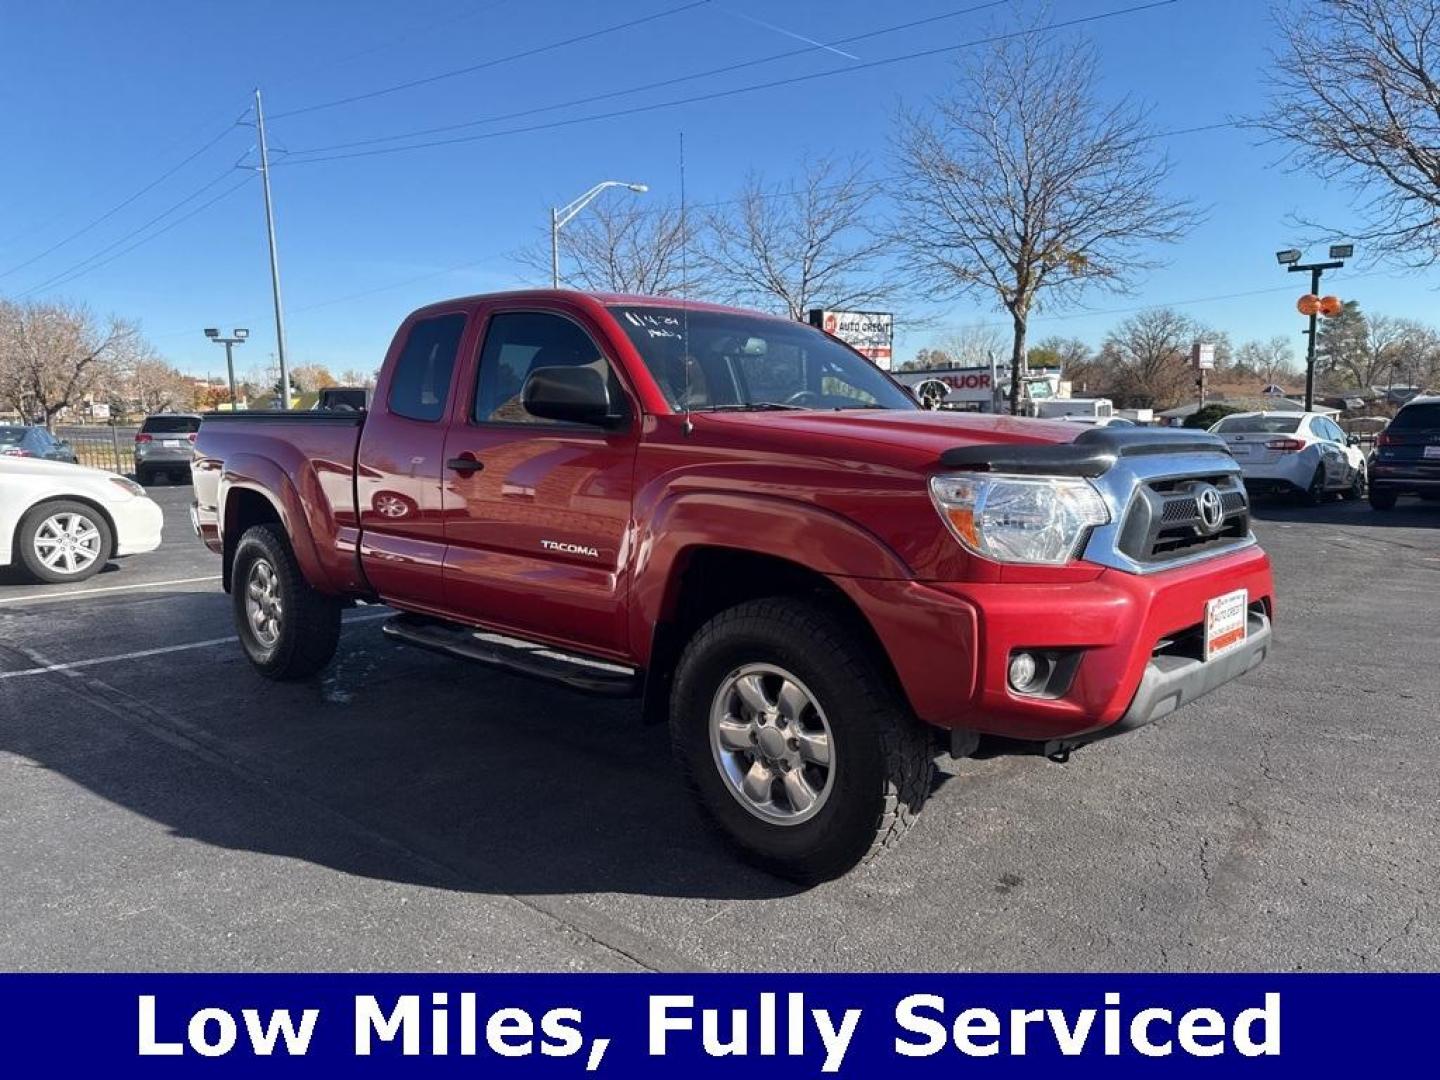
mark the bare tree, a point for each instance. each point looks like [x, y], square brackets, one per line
[976, 345]
[1147, 358]
[802, 244]
[152, 386]
[1075, 359]
[623, 246]
[1021, 185]
[1356, 94]
[52, 355]
[1272, 361]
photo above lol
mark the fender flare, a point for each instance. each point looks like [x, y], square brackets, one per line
[797, 532]
[265, 477]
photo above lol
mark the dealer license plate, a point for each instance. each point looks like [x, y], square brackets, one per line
[1432, 452]
[1225, 622]
[173, 444]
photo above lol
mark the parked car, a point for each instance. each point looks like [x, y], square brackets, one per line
[34, 441]
[165, 445]
[63, 522]
[1297, 452]
[745, 523]
[1407, 454]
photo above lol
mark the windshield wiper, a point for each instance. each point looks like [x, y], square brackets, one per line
[752, 406]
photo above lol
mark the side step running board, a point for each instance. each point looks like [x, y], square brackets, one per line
[531, 658]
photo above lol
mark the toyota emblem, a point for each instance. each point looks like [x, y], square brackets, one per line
[1212, 507]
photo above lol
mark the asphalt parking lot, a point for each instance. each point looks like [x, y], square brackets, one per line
[162, 807]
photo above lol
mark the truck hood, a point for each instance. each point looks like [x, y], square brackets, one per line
[893, 437]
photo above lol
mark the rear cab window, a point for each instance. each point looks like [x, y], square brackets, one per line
[170, 425]
[420, 382]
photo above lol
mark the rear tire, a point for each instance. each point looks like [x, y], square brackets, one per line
[1356, 490]
[1382, 500]
[1314, 495]
[144, 477]
[288, 630]
[878, 757]
[63, 540]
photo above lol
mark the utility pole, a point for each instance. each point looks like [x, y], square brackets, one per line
[274, 255]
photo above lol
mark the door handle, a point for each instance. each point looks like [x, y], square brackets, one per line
[466, 465]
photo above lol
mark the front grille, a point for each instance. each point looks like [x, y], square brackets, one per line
[1165, 520]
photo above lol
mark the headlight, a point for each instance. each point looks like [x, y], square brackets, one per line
[1019, 519]
[129, 485]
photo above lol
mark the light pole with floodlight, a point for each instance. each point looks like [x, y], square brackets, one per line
[1290, 259]
[237, 337]
[560, 216]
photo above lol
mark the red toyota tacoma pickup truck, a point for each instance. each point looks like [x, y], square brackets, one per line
[743, 522]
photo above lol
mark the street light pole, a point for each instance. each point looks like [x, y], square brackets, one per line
[1315, 270]
[560, 216]
[1290, 259]
[237, 337]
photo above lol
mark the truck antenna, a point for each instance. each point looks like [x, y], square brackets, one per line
[686, 426]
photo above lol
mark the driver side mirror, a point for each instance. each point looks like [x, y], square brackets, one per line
[1352, 440]
[572, 395]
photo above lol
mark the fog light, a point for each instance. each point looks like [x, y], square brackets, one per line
[1024, 667]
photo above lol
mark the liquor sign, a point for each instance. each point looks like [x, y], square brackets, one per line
[870, 333]
[962, 385]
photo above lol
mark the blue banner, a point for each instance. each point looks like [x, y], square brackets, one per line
[715, 1025]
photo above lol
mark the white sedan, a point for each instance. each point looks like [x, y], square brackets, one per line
[62, 522]
[1298, 452]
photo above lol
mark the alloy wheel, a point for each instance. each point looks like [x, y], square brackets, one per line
[772, 744]
[67, 543]
[263, 607]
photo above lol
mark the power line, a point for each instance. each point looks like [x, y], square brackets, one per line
[712, 72]
[495, 62]
[1087, 313]
[108, 214]
[718, 94]
[82, 271]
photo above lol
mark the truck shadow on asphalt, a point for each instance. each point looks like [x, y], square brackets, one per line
[395, 765]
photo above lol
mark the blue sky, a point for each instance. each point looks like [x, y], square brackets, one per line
[101, 99]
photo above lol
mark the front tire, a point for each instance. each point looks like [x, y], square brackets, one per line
[795, 744]
[63, 540]
[288, 630]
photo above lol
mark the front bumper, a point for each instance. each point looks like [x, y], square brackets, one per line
[950, 644]
[1171, 681]
[138, 525]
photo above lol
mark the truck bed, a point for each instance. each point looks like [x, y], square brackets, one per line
[306, 460]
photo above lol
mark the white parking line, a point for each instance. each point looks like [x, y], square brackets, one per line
[161, 651]
[41, 598]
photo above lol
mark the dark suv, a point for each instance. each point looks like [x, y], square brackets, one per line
[1407, 455]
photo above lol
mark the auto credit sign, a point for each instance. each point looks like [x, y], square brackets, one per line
[870, 333]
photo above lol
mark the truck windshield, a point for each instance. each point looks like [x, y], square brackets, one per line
[709, 360]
